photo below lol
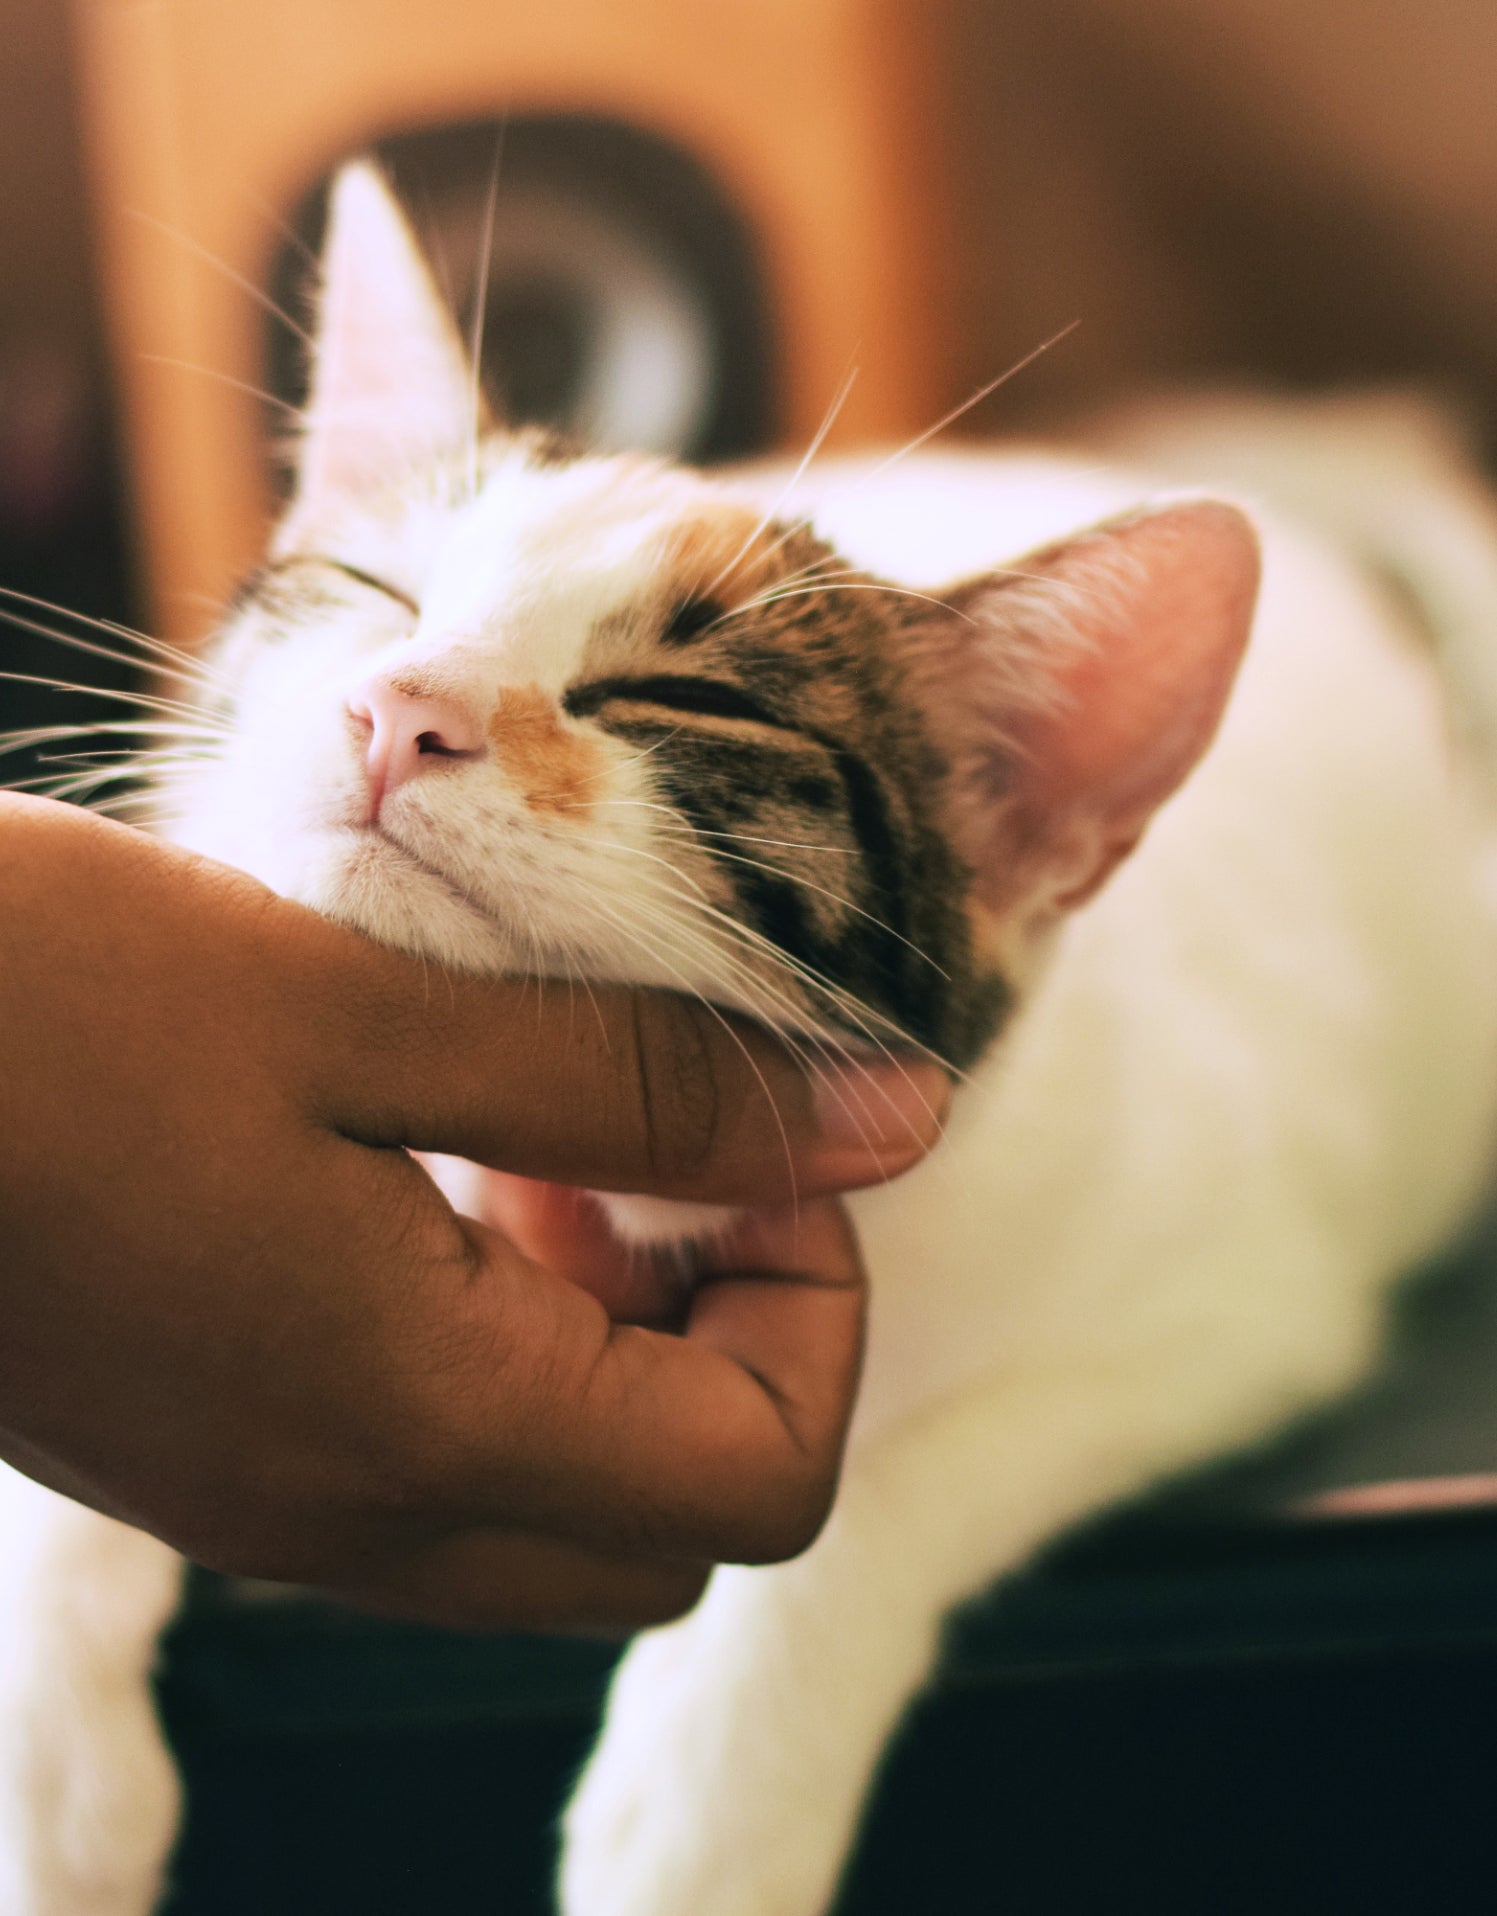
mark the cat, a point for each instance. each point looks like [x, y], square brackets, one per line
[1219, 1086]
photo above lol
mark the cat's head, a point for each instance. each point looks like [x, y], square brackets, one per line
[592, 717]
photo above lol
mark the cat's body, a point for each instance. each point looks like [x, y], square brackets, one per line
[1254, 1085]
[1233, 1096]
[1137, 1118]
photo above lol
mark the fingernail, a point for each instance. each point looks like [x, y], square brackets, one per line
[886, 1115]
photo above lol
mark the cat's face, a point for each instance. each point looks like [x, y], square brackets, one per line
[597, 718]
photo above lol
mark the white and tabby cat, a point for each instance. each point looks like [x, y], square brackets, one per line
[518, 709]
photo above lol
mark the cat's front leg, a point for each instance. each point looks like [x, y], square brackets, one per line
[89, 1797]
[739, 1744]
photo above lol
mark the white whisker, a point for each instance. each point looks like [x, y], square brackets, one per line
[480, 313]
[158, 652]
[755, 995]
[983, 392]
[835, 898]
[849, 585]
[142, 699]
[743, 838]
[854, 1011]
[806, 574]
[19, 741]
[752, 991]
[223, 379]
[594, 905]
[263, 209]
[247, 286]
[839, 400]
[808, 570]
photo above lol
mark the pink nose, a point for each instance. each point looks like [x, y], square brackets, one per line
[409, 734]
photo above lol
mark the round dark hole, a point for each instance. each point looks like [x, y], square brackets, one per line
[537, 340]
[542, 331]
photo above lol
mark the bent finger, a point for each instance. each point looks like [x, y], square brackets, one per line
[724, 1443]
[566, 1231]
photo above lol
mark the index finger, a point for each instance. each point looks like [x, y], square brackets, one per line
[612, 1089]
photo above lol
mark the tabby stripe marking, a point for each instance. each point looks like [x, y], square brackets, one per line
[709, 698]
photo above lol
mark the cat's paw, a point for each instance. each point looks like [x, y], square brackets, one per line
[89, 1794]
[622, 1834]
[641, 1842]
[90, 1814]
[682, 1810]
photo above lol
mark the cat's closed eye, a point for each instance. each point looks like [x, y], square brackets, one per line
[297, 560]
[361, 577]
[707, 698]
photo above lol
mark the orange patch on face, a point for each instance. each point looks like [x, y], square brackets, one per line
[556, 769]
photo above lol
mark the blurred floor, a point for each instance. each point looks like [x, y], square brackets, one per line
[1357, 1789]
[1059, 1768]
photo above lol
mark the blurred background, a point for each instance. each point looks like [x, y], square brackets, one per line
[1248, 189]
[691, 217]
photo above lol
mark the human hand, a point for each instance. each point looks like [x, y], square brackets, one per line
[235, 1312]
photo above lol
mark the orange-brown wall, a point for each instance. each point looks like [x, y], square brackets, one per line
[1296, 188]
[44, 242]
[1260, 185]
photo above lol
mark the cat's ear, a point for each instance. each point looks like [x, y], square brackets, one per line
[391, 388]
[1074, 694]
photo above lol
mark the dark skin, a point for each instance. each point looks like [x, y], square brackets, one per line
[237, 1314]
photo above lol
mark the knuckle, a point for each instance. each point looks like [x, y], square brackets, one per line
[430, 1452]
[444, 1360]
[676, 1061]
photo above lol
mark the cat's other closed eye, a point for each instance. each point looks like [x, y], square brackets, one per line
[354, 572]
[708, 698]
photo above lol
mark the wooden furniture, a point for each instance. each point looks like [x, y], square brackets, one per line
[209, 119]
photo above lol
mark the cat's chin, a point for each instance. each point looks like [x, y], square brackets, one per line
[375, 886]
[651, 1223]
[662, 1222]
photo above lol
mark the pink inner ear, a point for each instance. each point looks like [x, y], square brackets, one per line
[1090, 690]
[390, 387]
